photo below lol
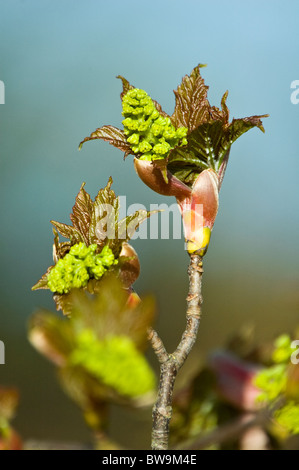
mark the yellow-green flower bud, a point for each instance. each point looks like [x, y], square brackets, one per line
[78, 266]
[133, 139]
[150, 134]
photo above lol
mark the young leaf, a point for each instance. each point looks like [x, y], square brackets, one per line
[206, 144]
[126, 86]
[60, 249]
[186, 164]
[42, 283]
[104, 216]
[240, 126]
[111, 134]
[68, 231]
[191, 104]
[82, 213]
[94, 223]
[63, 302]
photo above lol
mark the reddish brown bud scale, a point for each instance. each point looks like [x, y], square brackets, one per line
[130, 269]
[152, 176]
[133, 300]
[199, 212]
[205, 193]
[198, 205]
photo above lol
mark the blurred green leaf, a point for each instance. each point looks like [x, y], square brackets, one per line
[288, 417]
[51, 336]
[110, 134]
[98, 349]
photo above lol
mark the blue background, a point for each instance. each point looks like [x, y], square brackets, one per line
[59, 60]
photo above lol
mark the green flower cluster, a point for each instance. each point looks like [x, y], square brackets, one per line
[149, 133]
[114, 361]
[79, 265]
[288, 417]
[273, 383]
[273, 380]
[283, 349]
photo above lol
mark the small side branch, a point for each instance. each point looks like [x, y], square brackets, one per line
[157, 345]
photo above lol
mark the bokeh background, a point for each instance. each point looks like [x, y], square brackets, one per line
[59, 60]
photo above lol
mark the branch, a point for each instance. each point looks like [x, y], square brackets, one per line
[194, 301]
[158, 346]
[171, 363]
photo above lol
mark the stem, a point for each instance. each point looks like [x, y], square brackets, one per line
[171, 363]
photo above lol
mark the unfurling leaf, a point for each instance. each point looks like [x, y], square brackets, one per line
[191, 104]
[82, 213]
[110, 134]
[196, 137]
[95, 234]
[126, 86]
[42, 283]
[210, 135]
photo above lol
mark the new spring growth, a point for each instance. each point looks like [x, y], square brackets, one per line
[78, 266]
[149, 133]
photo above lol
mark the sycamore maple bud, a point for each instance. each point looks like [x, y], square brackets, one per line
[78, 266]
[130, 267]
[152, 176]
[147, 131]
[198, 204]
